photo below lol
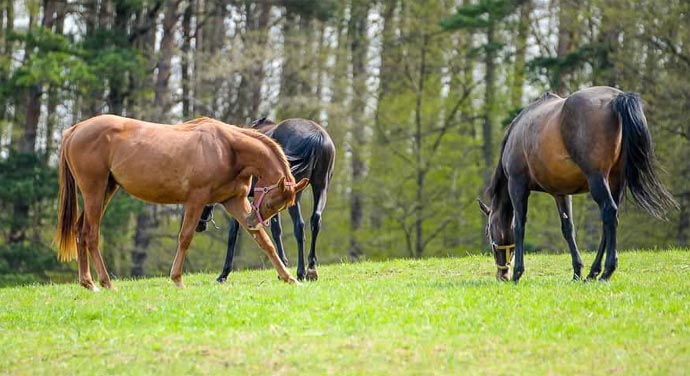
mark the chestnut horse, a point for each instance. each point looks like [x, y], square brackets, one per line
[193, 163]
[596, 140]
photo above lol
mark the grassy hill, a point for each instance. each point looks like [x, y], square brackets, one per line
[435, 316]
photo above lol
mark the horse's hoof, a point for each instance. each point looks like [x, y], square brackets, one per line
[300, 276]
[312, 275]
[221, 279]
[291, 281]
[178, 282]
[201, 227]
[89, 285]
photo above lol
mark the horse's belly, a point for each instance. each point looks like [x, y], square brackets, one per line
[559, 175]
[153, 178]
[153, 190]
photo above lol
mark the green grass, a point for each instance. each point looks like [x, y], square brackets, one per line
[436, 316]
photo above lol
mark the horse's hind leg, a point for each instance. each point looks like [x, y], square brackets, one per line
[320, 195]
[233, 232]
[601, 193]
[596, 264]
[95, 203]
[83, 257]
[298, 223]
[565, 212]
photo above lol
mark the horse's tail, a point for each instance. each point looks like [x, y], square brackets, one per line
[65, 236]
[639, 170]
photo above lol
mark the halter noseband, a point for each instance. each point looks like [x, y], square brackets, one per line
[257, 200]
[507, 249]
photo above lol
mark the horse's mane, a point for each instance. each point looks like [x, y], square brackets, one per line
[499, 180]
[277, 150]
[262, 121]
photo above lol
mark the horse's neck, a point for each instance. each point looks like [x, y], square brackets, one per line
[263, 160]
[502, 206]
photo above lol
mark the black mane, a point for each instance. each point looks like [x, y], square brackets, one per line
[264, 120]
[497, 187]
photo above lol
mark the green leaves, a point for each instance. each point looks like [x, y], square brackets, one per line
[480, 15]
[24, 177]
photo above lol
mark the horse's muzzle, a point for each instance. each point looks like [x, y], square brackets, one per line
[502, 274]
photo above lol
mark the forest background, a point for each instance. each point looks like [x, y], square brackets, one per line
[415, 94]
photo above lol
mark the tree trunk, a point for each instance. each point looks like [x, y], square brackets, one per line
[289, 78]
[162, 102]
[258, 72]
[566, 19]
[358, 48]
[117, 82]
[187, 108]
[605, 69]
[421, 169]
[387, 76]
[520, 54]
[142, 239]
[489, 99]
[53, 93]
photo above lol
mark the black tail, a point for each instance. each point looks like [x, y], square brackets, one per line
[304, 156]
[640, 164]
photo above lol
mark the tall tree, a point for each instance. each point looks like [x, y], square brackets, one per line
[517, 89]
[357, 38]
[162, 101]
[485, 16]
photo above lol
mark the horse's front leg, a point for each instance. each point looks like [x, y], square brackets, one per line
[239, 208]
[519, 195]
[192, 211]
[565, 212]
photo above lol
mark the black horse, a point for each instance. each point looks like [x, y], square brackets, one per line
[311, 154]
[595, 140]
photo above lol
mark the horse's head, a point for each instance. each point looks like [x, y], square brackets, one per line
[269, 200]
[499, 231]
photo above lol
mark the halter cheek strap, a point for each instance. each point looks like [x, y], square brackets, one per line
[260, 198]
[507, 249]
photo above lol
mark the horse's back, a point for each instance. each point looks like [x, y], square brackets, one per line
[557, 142]
[591, 129]
[154, 162]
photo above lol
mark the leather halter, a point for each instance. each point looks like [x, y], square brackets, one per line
[507, 249]
[258, 199]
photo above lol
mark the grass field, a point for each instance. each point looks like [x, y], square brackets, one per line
[436, 316]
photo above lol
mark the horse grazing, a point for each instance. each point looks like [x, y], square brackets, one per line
[311, 154]
[193, 163]
[595, 140]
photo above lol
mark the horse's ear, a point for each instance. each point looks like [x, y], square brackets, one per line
[281, 183]
[301, 185]
[485, 209]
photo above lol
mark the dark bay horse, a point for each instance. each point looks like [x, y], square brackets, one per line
[596, 140]
[193, 163]
[311, 154]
